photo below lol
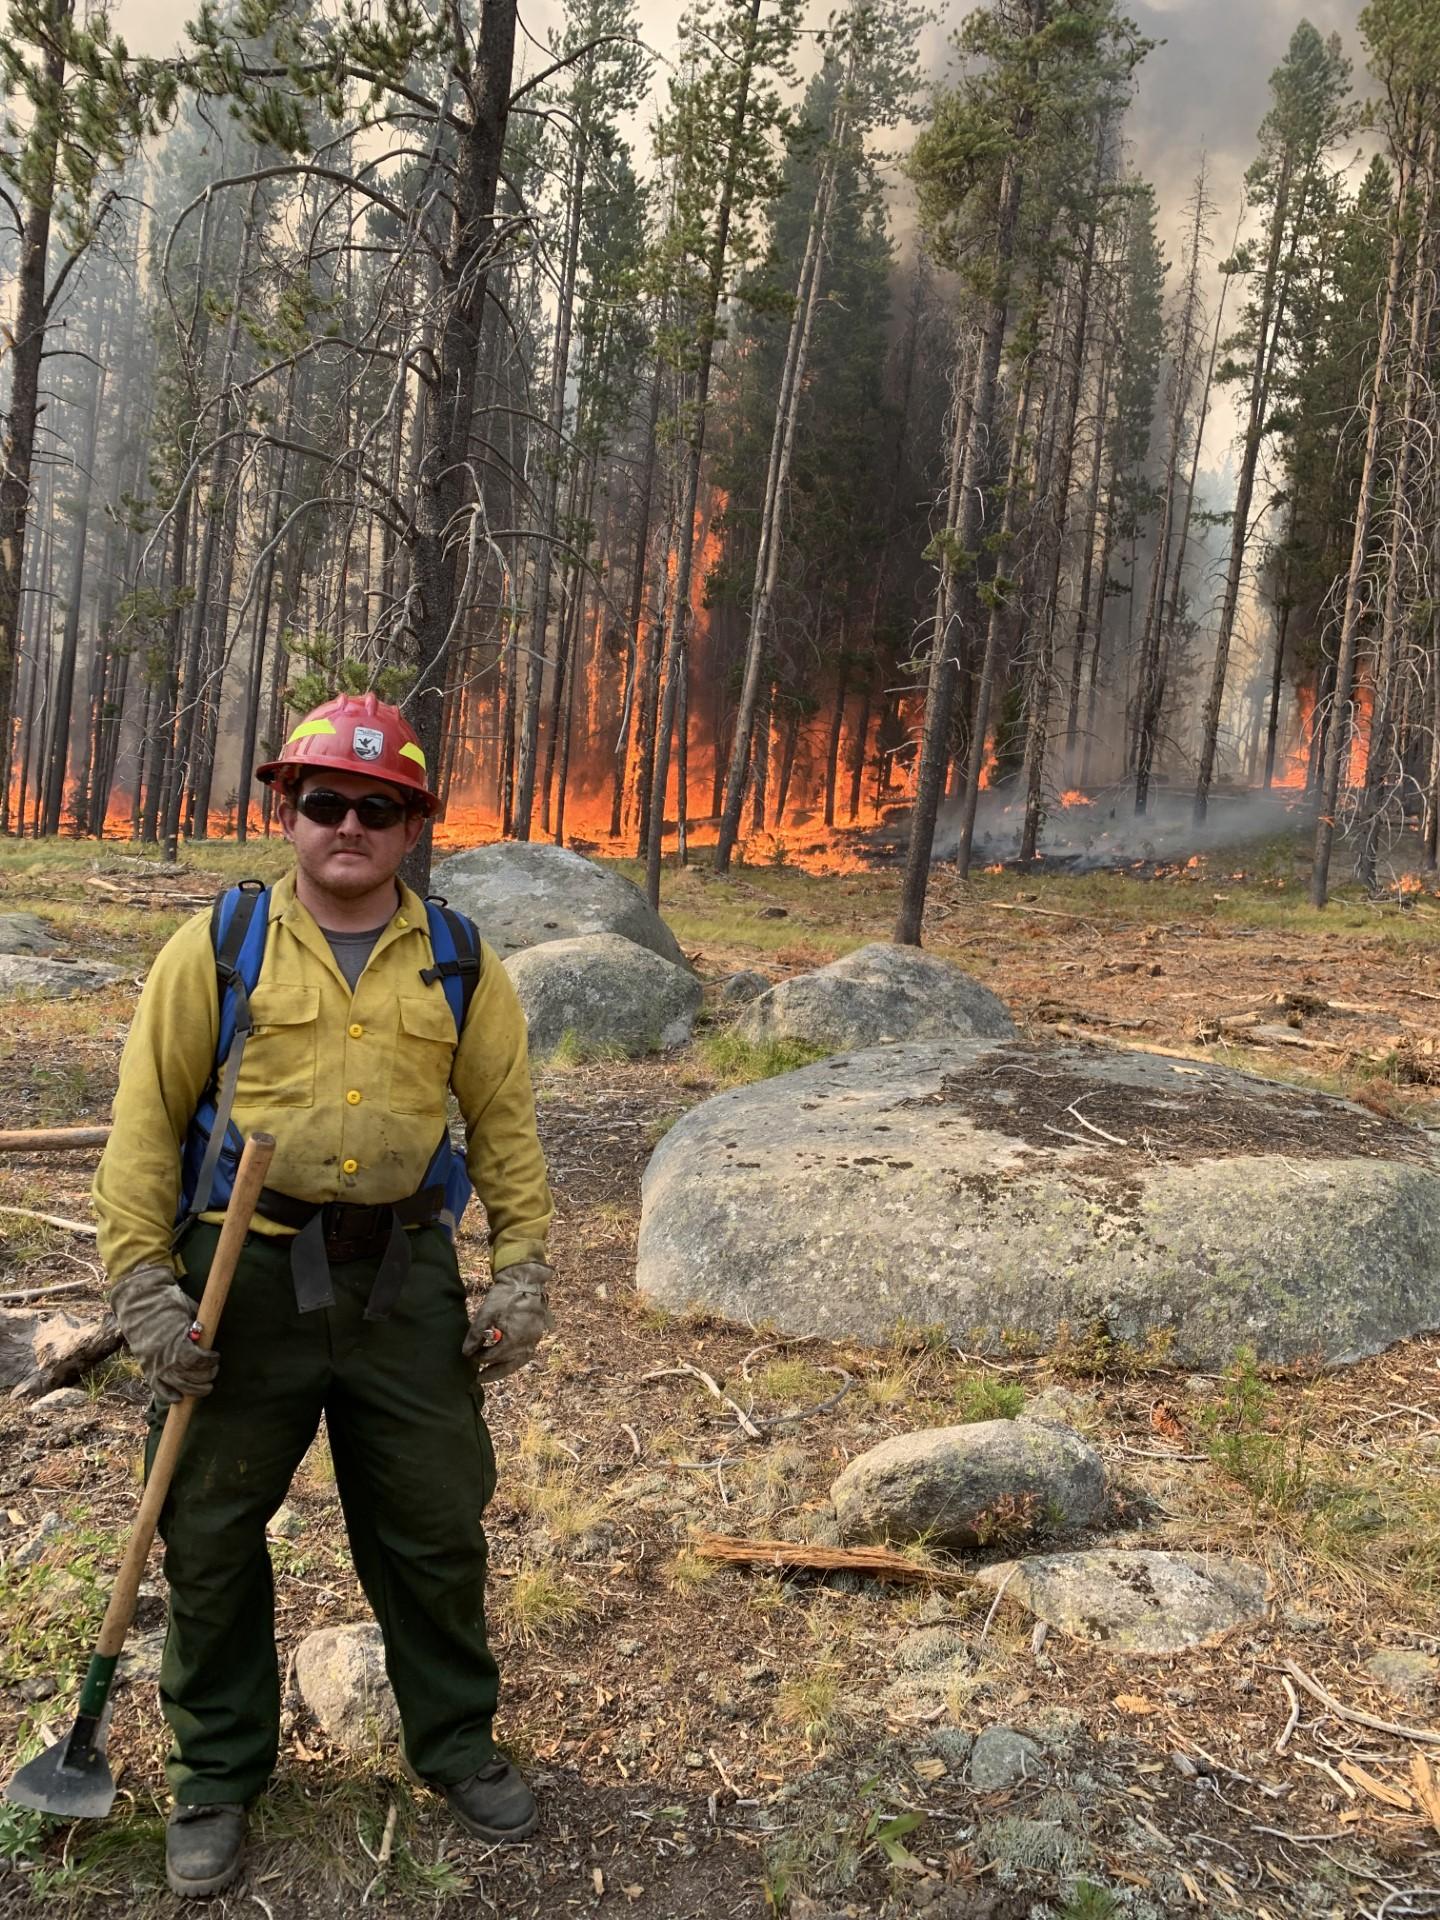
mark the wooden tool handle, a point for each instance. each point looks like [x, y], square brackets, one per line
[254, 1165]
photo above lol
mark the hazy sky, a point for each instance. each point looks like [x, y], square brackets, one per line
[1203, 88]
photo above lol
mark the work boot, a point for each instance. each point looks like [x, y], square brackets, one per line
[494, 1804]
[203, 1849]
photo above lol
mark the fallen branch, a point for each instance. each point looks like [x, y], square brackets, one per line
[53, 1220]
[879, 1562]
[1425, 1735]
[18, 1296]
[1014, 906]
[1293, 1720]
[51, 1139]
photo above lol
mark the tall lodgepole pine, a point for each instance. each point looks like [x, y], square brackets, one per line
[1307, 119]
[777, 482]
[1405, 53]
[978, 417]
[706, 321]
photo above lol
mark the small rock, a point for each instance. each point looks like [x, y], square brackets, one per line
[61, 1400]
[140, 1662]
[1002, 1758]
[286, 1524]
[743, 987]
[340, 1672]
[38, 1687]
[627, 1649]
[1406, 1674]
[34, 1547]
[694, 1760]
[1298, 1620]
[1136, 1602]
[773, 913]
[985, 1483]
[953, 1744]
[1183, 1765]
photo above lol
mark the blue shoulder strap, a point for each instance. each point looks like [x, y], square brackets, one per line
[239, 922]
[455, 945]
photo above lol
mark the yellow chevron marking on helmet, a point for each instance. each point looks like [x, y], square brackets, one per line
[411, 752]
[307, 729]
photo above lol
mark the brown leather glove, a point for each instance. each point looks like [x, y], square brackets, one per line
[155, 1317]
[517, 1307]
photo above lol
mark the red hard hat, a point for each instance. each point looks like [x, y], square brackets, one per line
[354, 733]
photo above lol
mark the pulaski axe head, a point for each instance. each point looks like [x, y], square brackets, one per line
[72, 1778]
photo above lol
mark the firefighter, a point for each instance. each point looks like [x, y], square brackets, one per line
[347, 1300]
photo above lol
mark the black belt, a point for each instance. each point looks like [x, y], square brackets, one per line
[335, 1230]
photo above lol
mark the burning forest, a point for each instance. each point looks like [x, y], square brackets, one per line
[737, 491]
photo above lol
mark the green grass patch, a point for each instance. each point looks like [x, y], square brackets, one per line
[981, 1396]
[735, 1062]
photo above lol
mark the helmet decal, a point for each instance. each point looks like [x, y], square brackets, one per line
[368, 742]
[411, 752]
[308, 729]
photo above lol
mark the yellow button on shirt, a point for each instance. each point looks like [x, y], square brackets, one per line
[355, 1030]
[296, 1077]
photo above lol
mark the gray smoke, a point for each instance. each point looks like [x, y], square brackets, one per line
[1105, 832]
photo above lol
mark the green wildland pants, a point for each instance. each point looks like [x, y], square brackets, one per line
[414, 1468]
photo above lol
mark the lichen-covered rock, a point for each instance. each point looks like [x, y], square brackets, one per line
[1002, 1758]
[606, 992]
[41, 979]
[24, 933]
[970, 1486]
[955, 1185]
[878, 994]
[521, 895]
[1135, 1602]
[1405, 1672]
[340, 1672]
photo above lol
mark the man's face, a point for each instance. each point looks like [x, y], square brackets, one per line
[348, 860]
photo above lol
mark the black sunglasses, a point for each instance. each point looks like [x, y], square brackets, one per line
[327, 808]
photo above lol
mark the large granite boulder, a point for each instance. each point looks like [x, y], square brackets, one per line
[521, 895]
[877, 994]
[607, 992]
[1009, 1192]
[987, 1482]
[41, 979]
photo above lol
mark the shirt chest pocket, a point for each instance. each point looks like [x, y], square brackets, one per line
[424, 1053]
[278, 1069]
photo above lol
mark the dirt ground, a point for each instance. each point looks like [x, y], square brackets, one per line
[727, 1742]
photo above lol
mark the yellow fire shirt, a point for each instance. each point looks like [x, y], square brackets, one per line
[353, 1087]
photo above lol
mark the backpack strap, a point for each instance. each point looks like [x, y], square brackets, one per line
[236, 917]
[455, 943]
